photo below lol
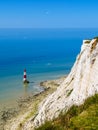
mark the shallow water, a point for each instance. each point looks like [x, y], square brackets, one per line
[45, 53]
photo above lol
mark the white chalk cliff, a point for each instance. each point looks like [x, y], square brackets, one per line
[81, 83]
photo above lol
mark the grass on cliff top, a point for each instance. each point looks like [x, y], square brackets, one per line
[96, 37]
[84, 117]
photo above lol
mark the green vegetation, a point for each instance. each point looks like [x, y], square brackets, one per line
[94, 45]
[69, 92]
[84, 117]
[96, 37]
[87, 42]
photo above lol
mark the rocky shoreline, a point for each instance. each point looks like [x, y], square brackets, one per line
[26, 105]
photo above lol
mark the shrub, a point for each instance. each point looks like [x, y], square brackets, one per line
[87, 42]
[81, 117]
[49, 126]
[69, 92]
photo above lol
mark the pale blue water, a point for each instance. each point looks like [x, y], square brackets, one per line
[45, 53]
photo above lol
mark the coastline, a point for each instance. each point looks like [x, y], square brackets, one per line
[27, 107]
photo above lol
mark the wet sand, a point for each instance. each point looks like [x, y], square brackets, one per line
[26, 107]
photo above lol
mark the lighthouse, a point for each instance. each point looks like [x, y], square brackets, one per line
[25, 77]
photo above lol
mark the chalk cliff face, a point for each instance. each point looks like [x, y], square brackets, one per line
[81, 83]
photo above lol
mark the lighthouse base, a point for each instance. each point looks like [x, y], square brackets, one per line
[26, 82]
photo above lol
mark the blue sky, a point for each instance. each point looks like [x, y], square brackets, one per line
[48, 13]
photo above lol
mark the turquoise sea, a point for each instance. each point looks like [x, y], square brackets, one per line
[45, 53]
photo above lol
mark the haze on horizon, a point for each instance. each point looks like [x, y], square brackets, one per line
[48, 14]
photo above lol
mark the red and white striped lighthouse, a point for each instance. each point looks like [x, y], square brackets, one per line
[25, 77]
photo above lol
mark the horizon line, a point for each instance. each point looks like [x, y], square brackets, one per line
[49, 28]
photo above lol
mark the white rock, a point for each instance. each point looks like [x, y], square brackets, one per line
[81, 83]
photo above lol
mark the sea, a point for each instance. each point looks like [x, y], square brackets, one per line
[45, 53]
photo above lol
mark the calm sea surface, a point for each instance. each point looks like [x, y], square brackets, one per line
[45, 53]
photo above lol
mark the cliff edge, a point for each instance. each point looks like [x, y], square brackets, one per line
[81, 83]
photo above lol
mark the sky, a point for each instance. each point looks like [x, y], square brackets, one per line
[48, 13]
